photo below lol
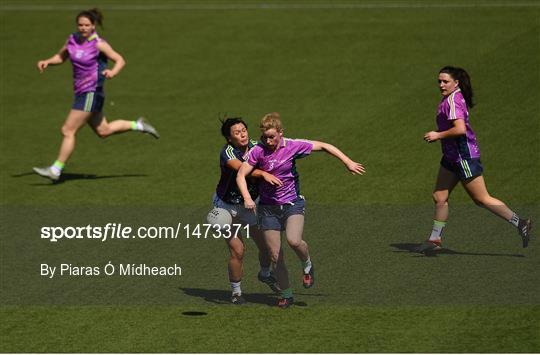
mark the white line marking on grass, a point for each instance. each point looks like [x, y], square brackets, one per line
[265, 6]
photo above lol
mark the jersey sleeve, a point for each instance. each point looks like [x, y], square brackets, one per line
[457, 107]
[254, 155]
[302, 148]
[227, 153]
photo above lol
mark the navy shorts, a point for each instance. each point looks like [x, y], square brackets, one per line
[274, 217]
[465, 169]
[89, 101]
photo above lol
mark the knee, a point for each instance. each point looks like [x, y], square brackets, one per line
[67, 131]
[237, 253]
[103, 131]
[295, 244]
[481, 201]
[440, 197]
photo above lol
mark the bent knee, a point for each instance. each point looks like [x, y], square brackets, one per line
[440, 197]
[103, 132]
[482, 201]
[237, 252]
[67, 131]
[295, 243]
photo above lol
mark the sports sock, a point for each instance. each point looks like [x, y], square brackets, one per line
[136, 126]
[265, 271]
[235, 287]
[57, 167]
[286, 293]
[514, 220]
[307, 265]
[436, 232]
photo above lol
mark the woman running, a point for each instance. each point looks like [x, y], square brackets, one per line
[461, 158]
[88, 54]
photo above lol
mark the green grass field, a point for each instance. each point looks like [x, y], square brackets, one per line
[358, 74]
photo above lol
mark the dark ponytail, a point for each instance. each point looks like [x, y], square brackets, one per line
[94, 15]
[464, 82]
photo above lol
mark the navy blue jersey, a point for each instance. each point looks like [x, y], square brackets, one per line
[227, 190]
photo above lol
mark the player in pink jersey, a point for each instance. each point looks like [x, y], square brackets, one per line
[88, 54]
[281, 207]
[461, 158]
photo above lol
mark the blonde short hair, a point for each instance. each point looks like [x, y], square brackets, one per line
[271, 120]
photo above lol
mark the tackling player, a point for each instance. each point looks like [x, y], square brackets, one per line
[228, 197]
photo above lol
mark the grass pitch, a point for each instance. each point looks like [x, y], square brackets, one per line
[358, 74]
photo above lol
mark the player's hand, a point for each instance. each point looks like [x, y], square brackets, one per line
[108, 74]
[271, 179]
[355, 168]
[250, 205]
[42, 65]
[431, 136]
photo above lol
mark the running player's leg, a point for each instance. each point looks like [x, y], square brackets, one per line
[265, 274]
[445, 183]
[104, 128]
[295, 230]
[236, 267]
[74, 121]
[273, 243]
[476, 188]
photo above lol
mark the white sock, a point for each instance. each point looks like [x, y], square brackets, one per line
[307, 265]
[514, 220]
[265, 271]
[436, 232]
[235, 287]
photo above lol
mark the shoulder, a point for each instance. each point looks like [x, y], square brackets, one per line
[456, 98]
[228, 152]
[256, 151]
[297, 143]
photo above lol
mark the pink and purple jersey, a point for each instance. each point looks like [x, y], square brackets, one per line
[281, 164]
[456, 149]
[88, 63]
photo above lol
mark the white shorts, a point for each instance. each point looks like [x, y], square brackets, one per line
[237, 211]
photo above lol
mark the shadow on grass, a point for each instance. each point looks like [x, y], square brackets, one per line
[76, 176]
[414, 248]
[224, 297]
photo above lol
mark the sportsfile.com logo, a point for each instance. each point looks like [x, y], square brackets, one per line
[120, 231]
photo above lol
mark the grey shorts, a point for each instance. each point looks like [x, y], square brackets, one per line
[245, 216]
[274, 217]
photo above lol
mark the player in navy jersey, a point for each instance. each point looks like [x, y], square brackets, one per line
[228, 196]
[461, 158]
[88, 54]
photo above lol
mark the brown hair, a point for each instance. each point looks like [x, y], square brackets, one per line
[94, 15]
[271, 120]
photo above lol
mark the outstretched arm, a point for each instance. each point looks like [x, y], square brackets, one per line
[459, 129]
[118, 60]
[56, 59]
[352, 166]
[245, 170]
